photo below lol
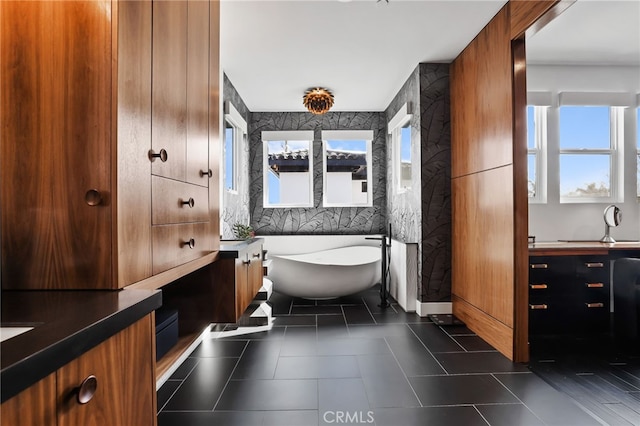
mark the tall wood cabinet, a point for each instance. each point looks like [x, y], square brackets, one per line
[109, 140]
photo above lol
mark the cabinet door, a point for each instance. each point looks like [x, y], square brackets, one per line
[124, 368]
[34, 406]
[242, 284]
[169, 91]
[56, 144]
[197, 168]
[255, 269]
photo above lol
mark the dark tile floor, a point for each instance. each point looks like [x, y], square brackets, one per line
[602, 376]
[347, 361]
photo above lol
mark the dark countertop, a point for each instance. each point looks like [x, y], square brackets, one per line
[560, 248]
[66, 325]
[231, 248]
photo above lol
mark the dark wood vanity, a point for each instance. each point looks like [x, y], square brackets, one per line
[570, 285]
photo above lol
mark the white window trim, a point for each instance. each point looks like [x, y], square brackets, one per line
[367, 136]
[540, 150]
[394, 128]
[616, 158]
[233, 117]
[285, 135]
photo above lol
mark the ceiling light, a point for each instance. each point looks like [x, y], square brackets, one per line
[318, 100]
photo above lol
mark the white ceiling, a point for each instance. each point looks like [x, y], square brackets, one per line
[364, 50]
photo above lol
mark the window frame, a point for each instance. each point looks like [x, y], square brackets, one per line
[286, 136]
[239, 125]
[346, 135]
[615, 153]
[394, 128]
[540, 119]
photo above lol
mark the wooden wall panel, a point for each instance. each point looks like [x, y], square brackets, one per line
[482, 257]
[133, 129]
[481, 95]
[525, 13]
[215, 103]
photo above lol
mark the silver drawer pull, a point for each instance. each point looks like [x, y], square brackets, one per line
[541, 306]
[594, 265]
[594, 285]
[595, 305]
[256, 255]
[162, 155]
[539, 266]
[86, 390]
[191, 243]
[538, 286]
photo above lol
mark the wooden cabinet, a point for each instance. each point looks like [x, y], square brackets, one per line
[123, 367]
[239, 278]
[569, 294]
[90, 92]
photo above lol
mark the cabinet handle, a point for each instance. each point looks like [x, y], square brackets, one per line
[539, 266]
[246, 262]
[162, 155]
[256, 255]
[541, 306]
[93, 197]
[594, 285]
[595, 305]
[87, 389]
[191, 243]
[190, 202]
[594, 265]
[208, 173]
[538, 286]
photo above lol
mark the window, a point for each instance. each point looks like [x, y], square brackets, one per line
[288, 169]
[235, 131]
[588, 153]
[347, 168]
[536, 153]
[400, 129]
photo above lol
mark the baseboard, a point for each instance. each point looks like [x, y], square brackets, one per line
[428, 308]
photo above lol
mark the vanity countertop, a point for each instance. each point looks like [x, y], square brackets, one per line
[65, 324]
[231, 248]
[575, 247]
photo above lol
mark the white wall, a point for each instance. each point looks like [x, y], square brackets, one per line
[553, 221]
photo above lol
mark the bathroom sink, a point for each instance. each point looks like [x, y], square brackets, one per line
[7, 332]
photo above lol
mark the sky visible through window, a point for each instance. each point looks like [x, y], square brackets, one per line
[229, 155]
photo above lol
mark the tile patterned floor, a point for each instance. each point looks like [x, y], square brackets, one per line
[347, 361]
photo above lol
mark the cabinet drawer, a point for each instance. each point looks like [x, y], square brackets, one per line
[178, 202]
[171, 244]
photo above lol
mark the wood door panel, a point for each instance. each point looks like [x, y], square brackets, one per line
[170, 248]
[169, 92]
[34, 406]
[56, 58]
[124, 367]
[169, 196]
[242, 285]
[197, 164]
[134, 141]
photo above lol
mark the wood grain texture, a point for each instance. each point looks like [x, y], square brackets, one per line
[168, 196]
[494, 332]
[169, 87]
[56, 60]
[215, 102]
[481, 101]
[520, 203]
[133, 129]
[124, 367]
[34, 406]
[169, 249]
[483, 258]
[524, 13]
[197, 93]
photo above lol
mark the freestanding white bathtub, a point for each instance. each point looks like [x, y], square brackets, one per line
[326, 274]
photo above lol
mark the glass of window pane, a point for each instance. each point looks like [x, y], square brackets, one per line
[229, 156]
[585, 176]
[531, 175]
[346, 172]
[531, 128]
[289, 173]
[585, 127]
